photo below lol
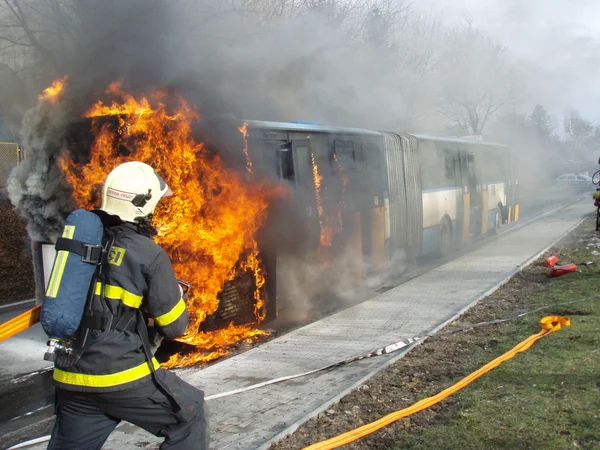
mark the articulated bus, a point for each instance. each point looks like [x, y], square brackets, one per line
[376, 196]
[399, 192]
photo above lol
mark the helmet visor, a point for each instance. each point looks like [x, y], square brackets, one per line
[163, 186]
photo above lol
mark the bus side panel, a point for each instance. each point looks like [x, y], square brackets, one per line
[397, 193]
[414, 195]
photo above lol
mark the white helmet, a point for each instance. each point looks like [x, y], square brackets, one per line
[132, 191]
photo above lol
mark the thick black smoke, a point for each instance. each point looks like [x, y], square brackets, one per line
[36, 187]
[221, 62]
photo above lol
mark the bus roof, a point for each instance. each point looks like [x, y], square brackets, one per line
[317, 128]
[456, 140]
[308, 127]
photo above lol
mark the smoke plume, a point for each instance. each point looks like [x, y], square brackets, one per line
[371, 64]
[36, 187]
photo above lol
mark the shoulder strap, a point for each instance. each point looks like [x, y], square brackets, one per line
[91, 254]
[91, 319]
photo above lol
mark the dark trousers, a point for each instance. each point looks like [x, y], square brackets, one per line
[84, 420]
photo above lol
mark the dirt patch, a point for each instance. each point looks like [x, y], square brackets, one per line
[16, 264]
[442, 360]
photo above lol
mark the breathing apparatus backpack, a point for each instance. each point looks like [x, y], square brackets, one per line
[68, 312]
[77, 268]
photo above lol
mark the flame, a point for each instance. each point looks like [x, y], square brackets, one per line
[205, 227]
[326, 234]
[52, 93]
[212, 345]
[253, 265]
[244, 130]
[330, 207]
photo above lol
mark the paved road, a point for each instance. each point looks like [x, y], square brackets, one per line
[253, 419]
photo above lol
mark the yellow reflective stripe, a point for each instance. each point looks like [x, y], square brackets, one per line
[112, 379]
[59, 264]
[172, 315]
[120, 294]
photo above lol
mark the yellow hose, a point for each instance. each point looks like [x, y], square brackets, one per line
[20, 323]
[550, 324]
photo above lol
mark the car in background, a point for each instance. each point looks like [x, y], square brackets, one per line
[575, 181]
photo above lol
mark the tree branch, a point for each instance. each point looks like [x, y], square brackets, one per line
[59, 20]
[17, 11]
[15, 42]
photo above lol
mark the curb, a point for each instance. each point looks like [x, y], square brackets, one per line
[13, 306]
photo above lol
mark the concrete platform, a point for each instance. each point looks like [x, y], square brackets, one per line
[256, 418]
[24, 350]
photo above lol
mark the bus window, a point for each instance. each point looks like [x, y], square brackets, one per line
[286, 163]
[344, 151]
[303, 163]
[278, 159]
[432, 171]
[369, 157]
[450, 169]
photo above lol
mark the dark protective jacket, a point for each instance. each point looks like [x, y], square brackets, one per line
[139, 274]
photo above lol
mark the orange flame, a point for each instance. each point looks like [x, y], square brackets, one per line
[252, 264]
[52, 93]
[326, 235]
[244, 130]
[330, 210]
[213, 345]
[205, 227]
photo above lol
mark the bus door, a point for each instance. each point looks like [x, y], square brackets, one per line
[296, 212]
[305, 190]
[454, 175]
[291, 160]
[475, 189]
[466, 192]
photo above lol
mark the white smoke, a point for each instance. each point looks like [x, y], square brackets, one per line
[308, 287]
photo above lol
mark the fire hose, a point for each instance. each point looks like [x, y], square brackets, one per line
[379, 352]
[20, 323]
[550, 324]
[32, 316]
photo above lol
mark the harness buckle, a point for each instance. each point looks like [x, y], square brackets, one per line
[92, 254]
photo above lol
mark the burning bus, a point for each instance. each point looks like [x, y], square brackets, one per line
[261, 207]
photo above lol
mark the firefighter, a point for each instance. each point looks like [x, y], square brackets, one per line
[112, 380]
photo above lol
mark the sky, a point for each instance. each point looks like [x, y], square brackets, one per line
[558, 41]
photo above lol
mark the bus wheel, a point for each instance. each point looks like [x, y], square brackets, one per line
[445, 242]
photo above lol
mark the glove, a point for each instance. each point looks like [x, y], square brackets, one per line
[183, 289]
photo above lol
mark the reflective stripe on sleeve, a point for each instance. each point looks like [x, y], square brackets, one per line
[118, 293]
[59, 264]
[109, 380]
[171, 316]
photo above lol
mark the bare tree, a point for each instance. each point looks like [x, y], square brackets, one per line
[417, 48]
[418, 42]
[44, 28]
[542, 122]
[15, 97]
[477, 78]
[581, 136]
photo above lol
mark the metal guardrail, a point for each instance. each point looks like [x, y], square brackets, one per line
[9, 158]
